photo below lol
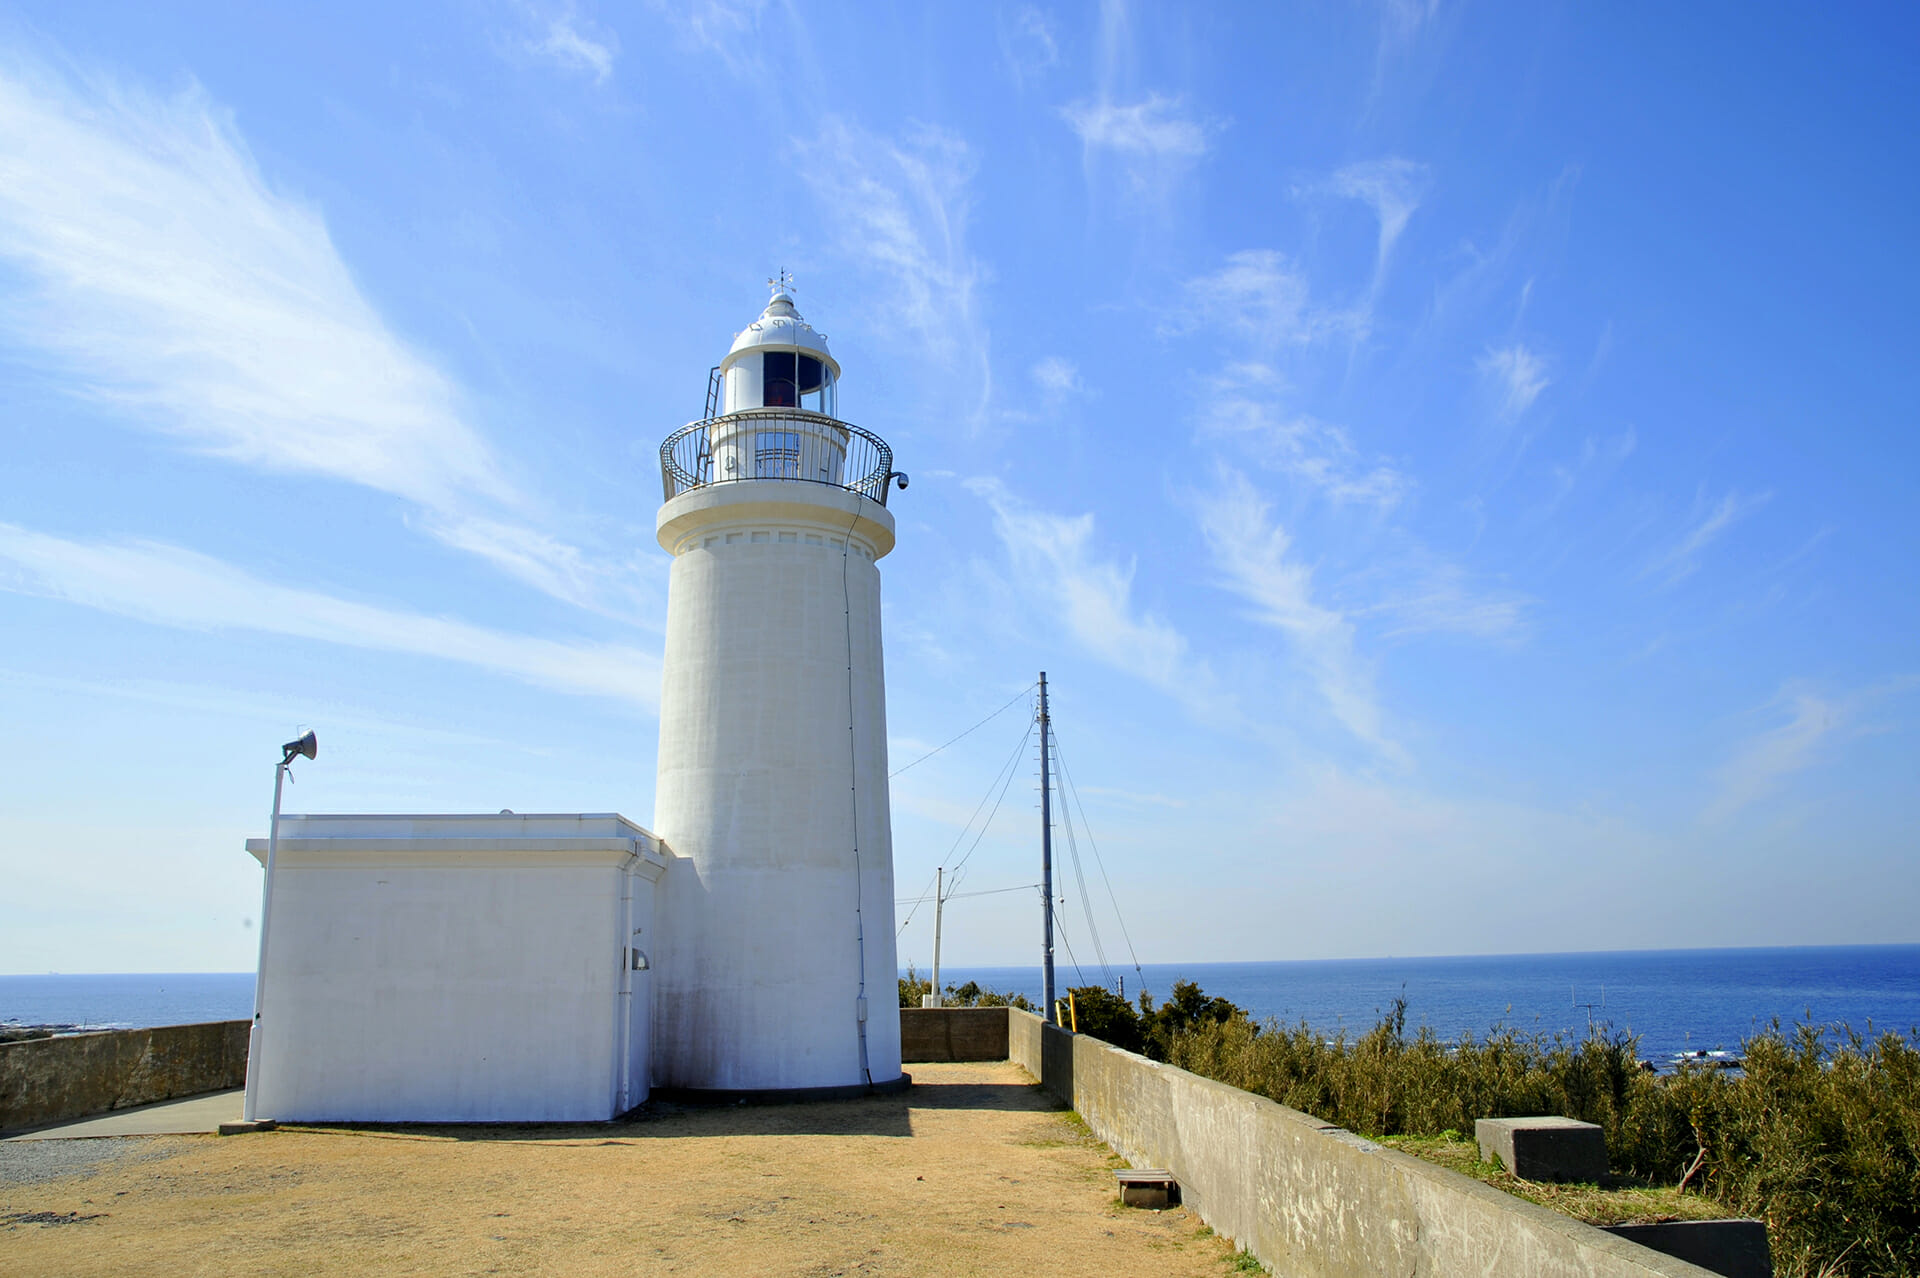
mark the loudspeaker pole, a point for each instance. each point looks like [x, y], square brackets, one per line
[260, 971]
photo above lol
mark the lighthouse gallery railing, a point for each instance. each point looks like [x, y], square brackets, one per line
[776, 443]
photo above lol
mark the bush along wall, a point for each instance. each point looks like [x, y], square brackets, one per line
[1819, 1134]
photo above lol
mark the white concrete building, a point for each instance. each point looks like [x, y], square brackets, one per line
[457, 968]
[520, 968]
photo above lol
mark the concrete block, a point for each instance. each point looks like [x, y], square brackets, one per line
[1735, 1248]
[1150, 1187]
[1544, 1148]
[242, 1128]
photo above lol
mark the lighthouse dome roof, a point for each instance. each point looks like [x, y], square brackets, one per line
[781, 327]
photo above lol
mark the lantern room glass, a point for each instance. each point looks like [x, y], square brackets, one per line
[790, 379]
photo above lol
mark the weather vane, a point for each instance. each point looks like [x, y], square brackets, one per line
[781, 283]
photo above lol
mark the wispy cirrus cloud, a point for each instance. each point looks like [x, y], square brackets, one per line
[1154, 139]
[899, 209]
[1094, 594]
[1057, 377]
[1517, 376]
[1401, 23]
[170, 586]
[1259, 297]
[1807, 724]
[1246, 404]
[1762, 762]
[1154, 126]
[728, 29]
[1027, 43]
[1709, 522]
[1262, 301]
[162, 277]
[1253, 554]
[1418, 593]
[1393, 187]
[1599, 457]
[575, 44]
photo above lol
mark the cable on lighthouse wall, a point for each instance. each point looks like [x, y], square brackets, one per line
[853, 791]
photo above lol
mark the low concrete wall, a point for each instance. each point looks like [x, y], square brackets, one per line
[49, 1080]
[953, 1034]
[1306, 1197]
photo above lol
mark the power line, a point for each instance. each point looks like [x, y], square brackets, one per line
[928, 890]
[1068, 946]
[1013, 767]
[1099, 860]
[1009, 767]
[937, 749]
[961, 896]
[1079, 875]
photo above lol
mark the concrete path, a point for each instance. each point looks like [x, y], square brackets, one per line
[192, 1115]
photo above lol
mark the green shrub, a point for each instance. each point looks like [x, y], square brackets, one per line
[913, 986]
[1186, 1010]
[1819, 1135]
[1108, 1017]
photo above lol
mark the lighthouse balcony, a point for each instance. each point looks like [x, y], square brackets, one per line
[779, 444]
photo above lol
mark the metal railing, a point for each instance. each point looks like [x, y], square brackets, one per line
[781, 444]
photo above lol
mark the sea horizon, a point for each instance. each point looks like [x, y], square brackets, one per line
[1674, 1001]
[1064, 963]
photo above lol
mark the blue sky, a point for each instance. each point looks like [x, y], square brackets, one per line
[1454, 461]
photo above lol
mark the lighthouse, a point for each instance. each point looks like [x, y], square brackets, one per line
[775, 969]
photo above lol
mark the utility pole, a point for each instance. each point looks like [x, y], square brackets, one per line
[939, 904]
[1046, 848]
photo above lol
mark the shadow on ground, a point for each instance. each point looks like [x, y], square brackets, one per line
[880, 1115]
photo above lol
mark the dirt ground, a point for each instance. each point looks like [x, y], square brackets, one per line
[972, 1171]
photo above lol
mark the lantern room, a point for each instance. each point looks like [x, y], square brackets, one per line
[779, 361]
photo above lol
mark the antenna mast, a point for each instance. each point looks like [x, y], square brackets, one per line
[1046, 851]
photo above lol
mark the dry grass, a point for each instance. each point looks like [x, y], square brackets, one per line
[1620, 1201]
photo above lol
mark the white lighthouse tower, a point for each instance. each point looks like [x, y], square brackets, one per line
[775, 969]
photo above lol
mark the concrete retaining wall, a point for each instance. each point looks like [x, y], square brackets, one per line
[953, 1034]
[49, 1080]
[1306, 1197]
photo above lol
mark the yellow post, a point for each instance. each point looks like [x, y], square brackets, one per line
[1073, 1013]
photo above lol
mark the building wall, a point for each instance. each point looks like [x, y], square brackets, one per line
[762, 764]
[477, 971]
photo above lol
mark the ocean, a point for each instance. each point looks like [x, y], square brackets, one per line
[126, 1002]
[1675, 1000]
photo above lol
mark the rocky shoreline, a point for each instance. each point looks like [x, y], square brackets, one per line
[14, 1033]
